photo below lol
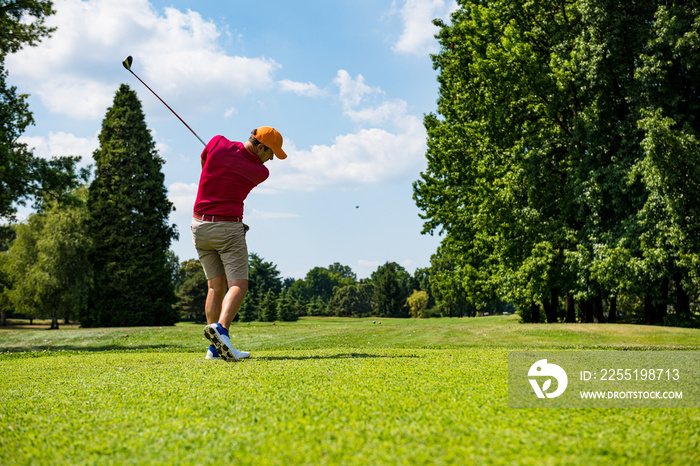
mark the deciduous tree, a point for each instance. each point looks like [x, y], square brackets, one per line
[22, 175]
[390, 292]
[48, 263]
[418, 304]
[353, 300]
[562, 155]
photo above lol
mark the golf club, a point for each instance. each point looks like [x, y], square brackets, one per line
[127, 64]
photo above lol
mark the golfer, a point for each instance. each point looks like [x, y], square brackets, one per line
[230, 170]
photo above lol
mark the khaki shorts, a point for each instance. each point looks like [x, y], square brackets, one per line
[221, 248]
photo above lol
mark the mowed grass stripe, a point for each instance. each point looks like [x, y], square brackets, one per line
[320, 333]
[315, 406]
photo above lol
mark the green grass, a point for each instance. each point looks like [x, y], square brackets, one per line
[320, 391]
[323, 333]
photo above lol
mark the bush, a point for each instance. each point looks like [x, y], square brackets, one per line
[418, 304]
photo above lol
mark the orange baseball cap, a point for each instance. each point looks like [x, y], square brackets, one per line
[271, 138]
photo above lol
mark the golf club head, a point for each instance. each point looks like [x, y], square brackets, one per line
[127, 62]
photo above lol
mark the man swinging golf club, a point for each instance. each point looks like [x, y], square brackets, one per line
[230, 170]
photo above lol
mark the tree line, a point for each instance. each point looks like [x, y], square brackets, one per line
[391, 291]
[563, 159]
[563, 174]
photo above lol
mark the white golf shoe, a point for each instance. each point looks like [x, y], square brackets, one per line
[212, 354]
[240, 354]
[218, 337]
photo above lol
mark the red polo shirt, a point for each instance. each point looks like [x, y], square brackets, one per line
[230, 172]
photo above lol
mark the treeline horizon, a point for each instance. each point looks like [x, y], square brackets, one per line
[390, 291]
[563, 173]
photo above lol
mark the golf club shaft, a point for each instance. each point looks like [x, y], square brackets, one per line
[178, 116]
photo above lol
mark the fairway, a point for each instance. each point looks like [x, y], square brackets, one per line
[320, 391]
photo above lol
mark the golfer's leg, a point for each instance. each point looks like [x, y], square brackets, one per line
[215, 296]
[232, 301]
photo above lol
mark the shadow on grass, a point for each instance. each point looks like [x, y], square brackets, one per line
[44, 349]
[335, 356]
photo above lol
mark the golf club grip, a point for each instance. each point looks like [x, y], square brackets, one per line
[178, 116]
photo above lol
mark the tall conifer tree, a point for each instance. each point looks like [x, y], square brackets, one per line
[128, 223]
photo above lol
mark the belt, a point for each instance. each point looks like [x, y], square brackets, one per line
[215, 218]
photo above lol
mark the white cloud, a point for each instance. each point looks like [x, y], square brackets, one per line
[303, 89]
[352, 91]
[161, 146]
[390, 148]
[76, 97]
[418, 33]
[356, 98]
[183, 195]
[61, 144]
[78, 69]
[384, 113]
[368, 156]
[266, 188]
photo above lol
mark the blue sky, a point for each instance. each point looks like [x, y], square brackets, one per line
[346, 82]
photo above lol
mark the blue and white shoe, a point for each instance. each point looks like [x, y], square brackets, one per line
[219, 338]
[212, 353]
